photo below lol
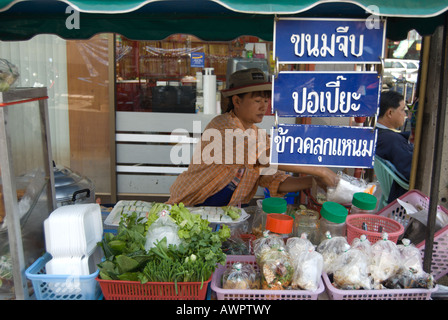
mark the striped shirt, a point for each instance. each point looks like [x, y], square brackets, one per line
[223, 156]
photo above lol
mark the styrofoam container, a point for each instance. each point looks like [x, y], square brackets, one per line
[61, 287]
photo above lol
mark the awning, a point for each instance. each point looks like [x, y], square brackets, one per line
[218, 20]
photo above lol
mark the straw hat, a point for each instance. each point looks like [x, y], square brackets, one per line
[247, 80]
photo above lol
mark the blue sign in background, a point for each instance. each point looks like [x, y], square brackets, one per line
[349, 147]
[329, 94]
[197, 59]
[328, 40]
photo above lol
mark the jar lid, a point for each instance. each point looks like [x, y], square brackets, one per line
[364, 201]
[274, 205]
[279, 223]
[334, 212]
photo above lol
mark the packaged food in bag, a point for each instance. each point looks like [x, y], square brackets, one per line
[351, 270]
[331, 248]
[363, 244]
[296, 245]
[8, 74]
[163, 227]
[411, 273]
[308, 267]
[267, 242]
[276, 269]
[385, 261]
[241, 276]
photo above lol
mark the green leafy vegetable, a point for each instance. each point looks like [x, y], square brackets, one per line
[195, 259]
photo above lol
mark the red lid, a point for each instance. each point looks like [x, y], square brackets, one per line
[279, 223]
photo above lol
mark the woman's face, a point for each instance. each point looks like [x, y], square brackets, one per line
[251, 107]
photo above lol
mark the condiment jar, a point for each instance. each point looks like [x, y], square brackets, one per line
[333, 219]
[279, 224]
[307, 221]
[363, 203]
[268, 205]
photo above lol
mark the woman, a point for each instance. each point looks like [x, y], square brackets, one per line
[227, 173]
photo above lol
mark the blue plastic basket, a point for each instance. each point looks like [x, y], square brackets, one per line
[61, 287]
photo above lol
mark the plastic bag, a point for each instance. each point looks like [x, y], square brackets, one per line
[163, 227]
[363, 244]
[295, 246]
[385, 261]
[241, 276]
[276, 269]
[411, 273]
[308, 268]
[330, 249]
[236, 245]
[351, 270]
[267, 242]
[346, 188]
[8, 74]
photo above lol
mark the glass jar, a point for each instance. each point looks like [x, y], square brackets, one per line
[265, 207]
[333, 216]
[363, 203]
[307, 221]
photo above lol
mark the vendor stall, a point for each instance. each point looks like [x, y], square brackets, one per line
[210, 20]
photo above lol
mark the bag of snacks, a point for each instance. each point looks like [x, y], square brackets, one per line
[385, 261]
[308, 267]
[331, 248]
[295, 246]
[266, 243]
[276, 269]
[363, 244]
[241, 276]
[350, 271]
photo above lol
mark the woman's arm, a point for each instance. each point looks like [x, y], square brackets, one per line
[294, 184]
[323, 175]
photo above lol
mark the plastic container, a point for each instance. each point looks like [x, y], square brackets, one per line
[307, 221]
[61, 287]
[280, 224]
[363, 203]
[333, 217]
[372, 226]
[385, 294]
[134, 290]
[439, 261]
[268, 206]
[253, 294]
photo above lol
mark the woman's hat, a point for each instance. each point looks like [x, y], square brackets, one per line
[247, 80]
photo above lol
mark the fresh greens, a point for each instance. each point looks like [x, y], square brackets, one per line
[195, 259]
[232, 212]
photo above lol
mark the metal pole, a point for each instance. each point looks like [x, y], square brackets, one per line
[12, 210]
[438, 150]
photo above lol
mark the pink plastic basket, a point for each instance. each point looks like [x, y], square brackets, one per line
[386, 294]
[375, 226]
[233, 294]
[439, 263]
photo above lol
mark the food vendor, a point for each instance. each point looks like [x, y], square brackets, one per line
[232, 159]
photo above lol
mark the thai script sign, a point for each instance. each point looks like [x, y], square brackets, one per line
[332, 94]
[302, 40]
[350, 147]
